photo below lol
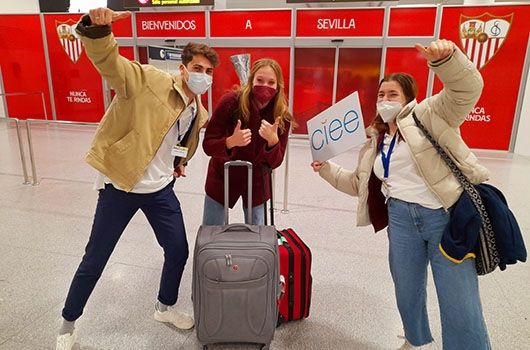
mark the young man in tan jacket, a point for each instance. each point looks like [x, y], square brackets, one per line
[143, 142]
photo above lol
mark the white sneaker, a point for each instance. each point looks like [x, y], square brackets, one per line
[176, 318]
[66, 341]
[408, 346]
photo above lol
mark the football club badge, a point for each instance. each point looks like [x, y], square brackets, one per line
[69, 39]
[482, 36]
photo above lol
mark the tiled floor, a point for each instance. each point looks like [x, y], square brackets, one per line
[44, 228]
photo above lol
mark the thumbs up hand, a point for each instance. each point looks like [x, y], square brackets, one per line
[437, 50]
[270, 131]
[240, 137]
[103, 16]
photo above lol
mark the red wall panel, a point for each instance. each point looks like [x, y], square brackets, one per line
[359, 70]
[408, 60]
[340, 22]
[313, 84]
[250, 23]
[500, 35]
[123, 28]
[170, 24]
[23, 66]
[407, 21]
[496, 40]
[77, 86]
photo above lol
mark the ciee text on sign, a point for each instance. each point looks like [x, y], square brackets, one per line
[334, 130]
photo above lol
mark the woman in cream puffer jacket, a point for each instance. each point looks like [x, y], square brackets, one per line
[401, 182]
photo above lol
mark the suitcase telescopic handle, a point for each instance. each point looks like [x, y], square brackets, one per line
[238, 227]
[267, 171]
[249, 184]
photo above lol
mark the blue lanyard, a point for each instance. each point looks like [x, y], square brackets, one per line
[179, 136]
[385, 158]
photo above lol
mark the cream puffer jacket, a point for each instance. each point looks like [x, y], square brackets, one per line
[442, 115]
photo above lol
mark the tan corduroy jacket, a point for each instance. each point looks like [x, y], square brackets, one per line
[442, 115]
[147, 104]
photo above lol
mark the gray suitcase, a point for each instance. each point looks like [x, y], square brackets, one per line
[236, 282]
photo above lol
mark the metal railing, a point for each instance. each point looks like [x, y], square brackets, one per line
[35, 181]
[20, 147]
[30, 140]
[285, 208]
[28, 94]
[19, 137]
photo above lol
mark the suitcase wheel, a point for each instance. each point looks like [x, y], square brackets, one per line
[205, 347]
[265, 347]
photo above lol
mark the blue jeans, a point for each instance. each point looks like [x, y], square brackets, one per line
[414, 233]
[114, 211]
[214, 213]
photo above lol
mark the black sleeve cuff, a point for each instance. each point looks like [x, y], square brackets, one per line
[85, 28]
[443, 60]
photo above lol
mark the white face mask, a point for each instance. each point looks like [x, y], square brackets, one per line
[388, 110]
[198, 83]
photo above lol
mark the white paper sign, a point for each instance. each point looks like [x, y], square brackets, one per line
[337, 129]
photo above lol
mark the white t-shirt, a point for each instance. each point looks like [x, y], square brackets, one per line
[404, 181]
[159, 172]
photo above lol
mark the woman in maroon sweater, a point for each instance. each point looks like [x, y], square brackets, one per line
[253, 125]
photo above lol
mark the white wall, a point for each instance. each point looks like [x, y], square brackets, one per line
[20, 6]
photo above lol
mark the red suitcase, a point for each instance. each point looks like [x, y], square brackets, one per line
[295, 267]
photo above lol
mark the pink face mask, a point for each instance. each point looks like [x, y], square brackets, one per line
[263, 94]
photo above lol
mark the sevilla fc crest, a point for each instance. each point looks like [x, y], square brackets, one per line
[69, 39]
[483, 36]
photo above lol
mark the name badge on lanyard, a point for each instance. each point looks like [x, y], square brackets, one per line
[177, 150]
[385, 158]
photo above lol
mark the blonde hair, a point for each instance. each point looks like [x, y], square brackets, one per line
[281, 108]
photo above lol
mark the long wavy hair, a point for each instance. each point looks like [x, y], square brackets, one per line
[281, 108]
[410, 90]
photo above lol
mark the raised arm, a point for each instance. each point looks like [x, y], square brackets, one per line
[462, 81]
[124, 76]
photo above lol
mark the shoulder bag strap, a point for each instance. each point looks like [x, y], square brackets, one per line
[488, 258]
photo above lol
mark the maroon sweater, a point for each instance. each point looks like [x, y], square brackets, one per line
[221, 126]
